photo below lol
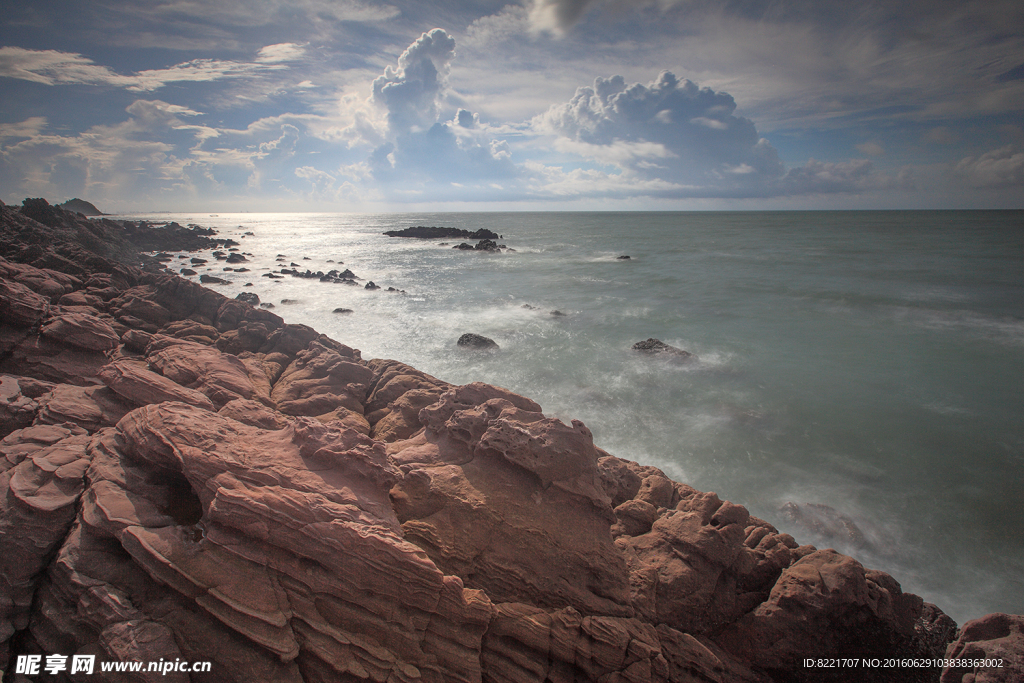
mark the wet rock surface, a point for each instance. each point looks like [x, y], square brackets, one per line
[185, 476]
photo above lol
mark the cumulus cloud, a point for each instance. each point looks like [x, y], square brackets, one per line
[671, 138]
[668, 129]
[411, 91]
[1003, 167]
[51, 67]
[418, 146]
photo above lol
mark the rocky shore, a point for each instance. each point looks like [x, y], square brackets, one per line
[185, 476]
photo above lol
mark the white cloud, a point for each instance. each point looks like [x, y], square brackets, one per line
[411, 92]
[817, 177]
[51, 67]
[282, 52]
[1003, 167]
[28, 128]
[669, 129]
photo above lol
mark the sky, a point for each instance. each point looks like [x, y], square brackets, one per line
[477, 105]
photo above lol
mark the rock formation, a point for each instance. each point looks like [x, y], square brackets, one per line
[476, 341]
[423, 232]
[186, 476]
[652, 345]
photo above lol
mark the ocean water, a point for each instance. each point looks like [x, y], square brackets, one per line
[872, 362]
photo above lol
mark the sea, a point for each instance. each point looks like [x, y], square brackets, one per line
[863, 368]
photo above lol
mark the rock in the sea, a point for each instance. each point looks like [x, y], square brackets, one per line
[213, 280]
[652, 345]
[342, 310]
[624, 257]
[249, 298]
[423, 232]
[482, 245]
[476, 341]
[825, 522]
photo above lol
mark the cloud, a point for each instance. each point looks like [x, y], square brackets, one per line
[556, 15]
[411, 92]
[1003, 167]
[282, 52]
[51, 67]
[817, 177]
[667, 129]
[28, 128]
[872, 149]
[420, 150]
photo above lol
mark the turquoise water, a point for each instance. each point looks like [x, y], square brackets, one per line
[869, 361]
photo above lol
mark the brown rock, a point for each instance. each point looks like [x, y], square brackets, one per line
[191, 330]
[997, 640]
[140, 386]
[484, 517]
[20, 306]
[137, 303]
[403, 417]
[38, 497]
[824, 605]
[84, 331]
[43, 358]
[18, 405]
[88, 407]
[287, 556]
[322, 379]
[136, 340]
[220, 376]
[254, 413]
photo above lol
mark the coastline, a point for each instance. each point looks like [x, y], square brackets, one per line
[520, 560]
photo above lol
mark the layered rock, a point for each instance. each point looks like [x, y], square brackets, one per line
[194, 479]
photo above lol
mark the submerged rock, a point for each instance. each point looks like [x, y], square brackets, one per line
[476, 341]
[652, 345]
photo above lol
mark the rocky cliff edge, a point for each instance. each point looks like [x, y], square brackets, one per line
[186, 477]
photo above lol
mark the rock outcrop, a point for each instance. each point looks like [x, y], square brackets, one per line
[197, 480]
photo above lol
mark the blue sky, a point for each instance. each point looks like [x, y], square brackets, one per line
[353, 105]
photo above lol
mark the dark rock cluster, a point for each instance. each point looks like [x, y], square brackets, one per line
[423, 232]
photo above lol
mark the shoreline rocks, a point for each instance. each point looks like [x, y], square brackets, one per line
[186, 476]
